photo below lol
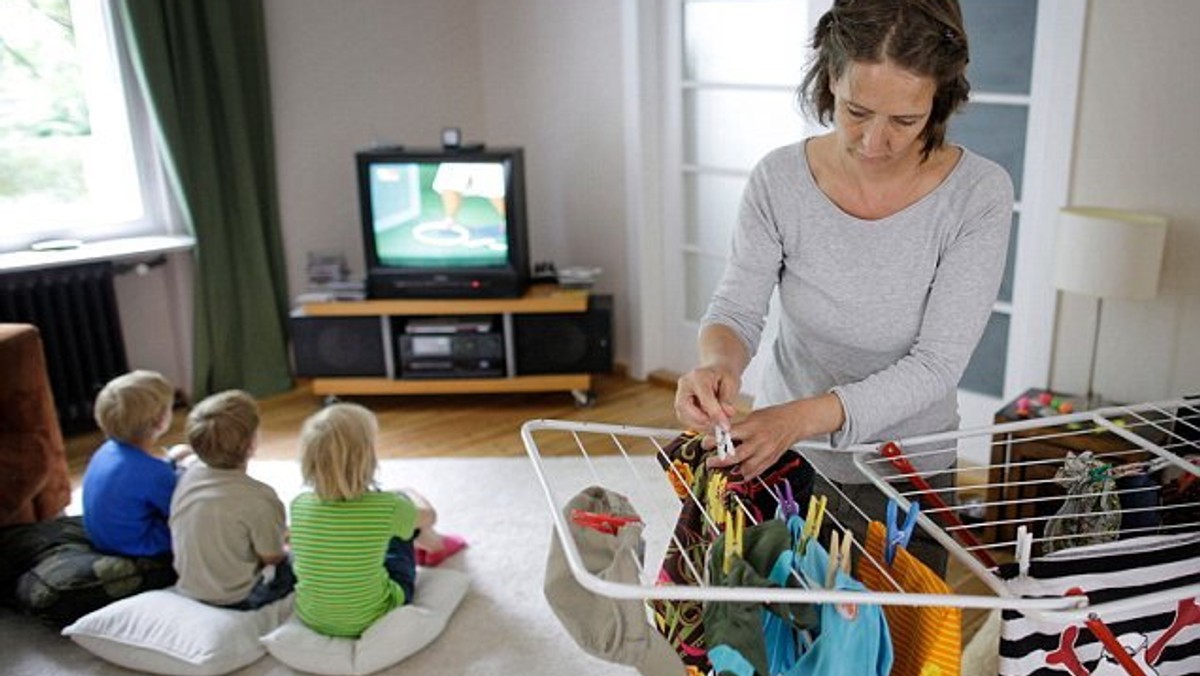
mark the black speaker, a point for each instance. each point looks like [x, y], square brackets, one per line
[338, 346]
[565, 343]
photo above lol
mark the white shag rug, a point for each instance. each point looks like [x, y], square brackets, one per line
[504, 625]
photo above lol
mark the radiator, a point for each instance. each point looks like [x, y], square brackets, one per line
[75, 308]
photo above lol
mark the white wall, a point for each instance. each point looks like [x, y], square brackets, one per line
[1137, 147]
[156, 318]
[349, 74]
[552, 83]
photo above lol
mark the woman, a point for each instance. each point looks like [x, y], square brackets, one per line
[886, 245]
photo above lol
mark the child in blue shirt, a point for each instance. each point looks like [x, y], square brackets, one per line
[126, 487]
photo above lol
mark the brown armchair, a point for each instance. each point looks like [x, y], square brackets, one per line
[34, 481]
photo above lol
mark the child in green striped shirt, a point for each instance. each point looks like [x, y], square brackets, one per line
[355, 548]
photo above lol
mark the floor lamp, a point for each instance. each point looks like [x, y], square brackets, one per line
[1107, 253]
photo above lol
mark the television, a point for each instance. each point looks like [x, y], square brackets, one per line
[444, 223]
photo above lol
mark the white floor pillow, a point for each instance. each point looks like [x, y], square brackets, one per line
[392, 638]
[163, 632]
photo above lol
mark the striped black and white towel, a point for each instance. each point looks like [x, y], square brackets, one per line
[1163, 638]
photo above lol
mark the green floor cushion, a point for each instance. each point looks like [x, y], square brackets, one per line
[53, 573]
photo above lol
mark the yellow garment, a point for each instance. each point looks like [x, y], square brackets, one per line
[926, 640]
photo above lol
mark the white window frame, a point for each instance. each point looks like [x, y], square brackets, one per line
[125, 158]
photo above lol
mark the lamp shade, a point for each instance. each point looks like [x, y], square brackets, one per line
[1109, 253]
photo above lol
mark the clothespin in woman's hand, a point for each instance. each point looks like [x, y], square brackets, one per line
[724, 441]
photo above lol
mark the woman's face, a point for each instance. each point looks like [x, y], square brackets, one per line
[880, 110]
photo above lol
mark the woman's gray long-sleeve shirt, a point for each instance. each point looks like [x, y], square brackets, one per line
[884, 313]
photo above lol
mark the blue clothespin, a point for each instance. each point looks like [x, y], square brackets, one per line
[788, 506]
[899, 536]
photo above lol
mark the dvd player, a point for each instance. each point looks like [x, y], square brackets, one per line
[451, 355]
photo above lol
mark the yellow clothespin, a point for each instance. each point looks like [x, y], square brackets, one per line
[735, 524]
[812, 521]
[844, 560]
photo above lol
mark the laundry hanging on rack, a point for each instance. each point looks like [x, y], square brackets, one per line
[1162, 637]
[1140, 502]
[851, 639]
[683, 461]
[736, 631]
[1091, 513]
[616, 630]
[927, 639]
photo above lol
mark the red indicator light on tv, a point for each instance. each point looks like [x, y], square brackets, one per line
[475, 284]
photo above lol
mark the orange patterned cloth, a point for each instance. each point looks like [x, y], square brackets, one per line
[927, 640]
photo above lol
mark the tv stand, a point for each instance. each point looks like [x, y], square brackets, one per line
[394, 316]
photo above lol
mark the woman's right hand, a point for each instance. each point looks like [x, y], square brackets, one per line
[704, 398]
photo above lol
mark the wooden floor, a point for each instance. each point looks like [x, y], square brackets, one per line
[477, 425]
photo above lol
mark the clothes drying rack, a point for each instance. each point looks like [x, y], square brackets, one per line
[624, 459]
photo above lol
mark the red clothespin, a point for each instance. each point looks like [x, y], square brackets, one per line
[892, 451]
[609, 524]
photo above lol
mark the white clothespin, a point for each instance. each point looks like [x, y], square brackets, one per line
[724, 442]
[1024, 550]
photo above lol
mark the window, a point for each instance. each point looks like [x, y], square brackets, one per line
[730, 82]
[77, 158]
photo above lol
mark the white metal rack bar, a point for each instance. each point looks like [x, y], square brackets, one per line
[1156, 435]
[591, 439]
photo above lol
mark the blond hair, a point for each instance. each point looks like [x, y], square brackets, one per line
[221, 429]
[131, 407]
[337, 451]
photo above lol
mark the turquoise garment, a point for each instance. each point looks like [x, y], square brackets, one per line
[780, 636]
[737, 631]
[853, 640]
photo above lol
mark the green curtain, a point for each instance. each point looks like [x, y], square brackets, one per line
[203, 64]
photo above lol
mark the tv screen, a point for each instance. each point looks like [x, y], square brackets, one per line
[443, 223]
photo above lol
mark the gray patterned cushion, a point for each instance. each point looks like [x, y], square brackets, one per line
[52, 572]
